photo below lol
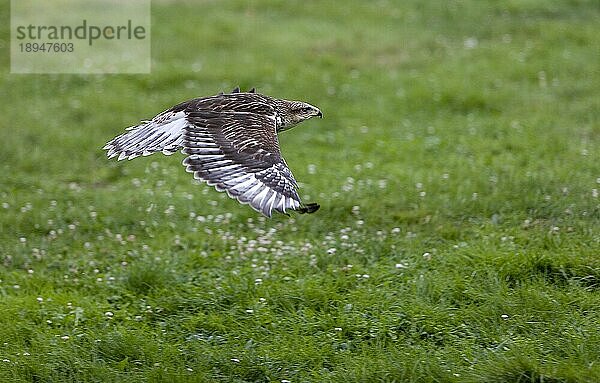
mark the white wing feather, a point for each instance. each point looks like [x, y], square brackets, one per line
[164, 133]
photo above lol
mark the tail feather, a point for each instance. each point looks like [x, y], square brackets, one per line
[164, 133]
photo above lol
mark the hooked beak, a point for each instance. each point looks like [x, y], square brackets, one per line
[320, 114]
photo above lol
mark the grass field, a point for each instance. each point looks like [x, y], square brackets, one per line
[457, 167]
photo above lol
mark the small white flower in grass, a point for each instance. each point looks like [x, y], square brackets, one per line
[189, 369]
[235, 360]
[360, 222]
[422, 194]
[419, 185]
[16, 287]
[427, 256]
[5, 205]
[109, 314]
[6, 360]
[22, 239]
[65, 337]
[48, 321]
[331, 251]
[249, 311]
[395, 230]
[40, 299]
[366, 276]
[285, 381]
[258, 281]
[337, 328]
[504, 316]
[474, 196]
[400, 266]
[595, 193]
[470, 43]
[25, 353]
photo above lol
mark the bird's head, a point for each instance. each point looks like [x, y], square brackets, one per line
[294, 112]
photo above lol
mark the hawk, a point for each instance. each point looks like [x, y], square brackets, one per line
[230, 141]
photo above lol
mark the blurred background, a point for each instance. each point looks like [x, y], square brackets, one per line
[416, 89]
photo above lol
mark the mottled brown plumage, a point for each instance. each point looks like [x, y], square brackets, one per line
[231, 143]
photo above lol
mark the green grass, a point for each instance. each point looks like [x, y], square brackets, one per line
[457, 168]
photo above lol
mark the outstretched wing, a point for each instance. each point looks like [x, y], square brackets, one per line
[238, 152]
[161, 134]
[164, 132]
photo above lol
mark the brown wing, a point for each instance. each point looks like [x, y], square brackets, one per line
[233, 146]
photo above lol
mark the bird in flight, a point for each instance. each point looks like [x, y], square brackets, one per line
[230, 141]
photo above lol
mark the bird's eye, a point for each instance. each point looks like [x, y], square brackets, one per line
[306, 109]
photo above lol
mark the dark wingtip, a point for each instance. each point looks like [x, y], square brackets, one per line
[253, 90]
[236, 90]
[309, 208]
